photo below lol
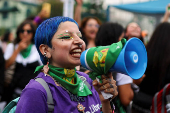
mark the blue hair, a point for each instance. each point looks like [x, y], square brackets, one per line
[46, 31]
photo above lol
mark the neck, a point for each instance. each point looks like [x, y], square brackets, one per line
[60, 66]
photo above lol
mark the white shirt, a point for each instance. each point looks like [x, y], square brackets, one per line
[34, 55]
[122, 79]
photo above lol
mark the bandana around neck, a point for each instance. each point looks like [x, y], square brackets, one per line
[26, 52]
[61, 75]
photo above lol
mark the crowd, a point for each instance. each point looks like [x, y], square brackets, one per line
[50, 48]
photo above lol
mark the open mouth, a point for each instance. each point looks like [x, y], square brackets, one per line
[76, 52]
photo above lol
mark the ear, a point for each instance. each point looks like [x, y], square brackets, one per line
[45, 49]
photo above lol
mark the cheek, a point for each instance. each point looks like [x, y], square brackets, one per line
[84, 46]
[31, 36]
[20, 35]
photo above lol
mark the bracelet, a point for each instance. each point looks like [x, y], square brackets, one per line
[38, 20]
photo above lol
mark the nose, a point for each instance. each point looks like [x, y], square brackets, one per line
[25, 32]
[77, 40]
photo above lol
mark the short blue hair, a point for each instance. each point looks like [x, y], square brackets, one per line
[46, 31]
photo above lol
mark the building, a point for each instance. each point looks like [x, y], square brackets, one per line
[12, 13]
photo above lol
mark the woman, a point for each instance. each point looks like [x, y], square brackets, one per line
[58, 41]
[158, 66]
[89, 25]
[25, 56]
[133, 30]
[6, 39]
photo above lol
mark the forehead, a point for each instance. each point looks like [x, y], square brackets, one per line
[133, 25]
[26, 26]
[92, 21]
[67, 26]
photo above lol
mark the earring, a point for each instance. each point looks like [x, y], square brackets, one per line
[45, 54]
[46, 58]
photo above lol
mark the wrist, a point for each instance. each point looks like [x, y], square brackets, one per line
[38, 19]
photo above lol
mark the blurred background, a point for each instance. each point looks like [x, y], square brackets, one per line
[147, 13]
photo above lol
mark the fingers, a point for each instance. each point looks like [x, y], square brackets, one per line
[108, 85]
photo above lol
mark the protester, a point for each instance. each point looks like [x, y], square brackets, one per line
[158, 68]
[133, 30]
[59, 40]
[7, 38]
[23, 56]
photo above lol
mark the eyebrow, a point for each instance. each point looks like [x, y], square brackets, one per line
[69, 33]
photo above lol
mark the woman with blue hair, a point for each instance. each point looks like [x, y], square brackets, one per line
[58, 41]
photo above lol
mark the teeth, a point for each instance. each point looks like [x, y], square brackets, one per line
[75, 54]
[77, 50]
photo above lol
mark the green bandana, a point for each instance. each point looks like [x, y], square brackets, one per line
[26, 52]
[103, 58]
[59, 74]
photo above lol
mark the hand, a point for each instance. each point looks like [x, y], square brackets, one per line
[138, 81]
[23, 44]
[168, 11]
[108, 85]
[43, 14]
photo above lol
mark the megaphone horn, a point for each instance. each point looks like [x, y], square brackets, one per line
[132, 60]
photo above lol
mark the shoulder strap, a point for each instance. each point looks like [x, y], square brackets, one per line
[84, 80]
[50, 102]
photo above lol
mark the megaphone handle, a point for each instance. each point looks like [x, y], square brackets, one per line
[105, 95]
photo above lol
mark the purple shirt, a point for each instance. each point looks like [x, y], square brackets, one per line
[34, 97]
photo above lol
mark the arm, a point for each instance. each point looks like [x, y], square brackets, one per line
[31, 101]
[21, 46]
[40, 17]
[167, 14]
[125, 94]
[108, 85]
[77, 14]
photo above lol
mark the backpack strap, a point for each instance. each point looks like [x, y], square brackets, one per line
[84, 80]
[50, 102]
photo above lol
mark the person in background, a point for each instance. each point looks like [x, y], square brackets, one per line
[167, 14]
[107, 34]
[21, 54]
[88, 25]
[133, 30]
[7, 38]
[58, 41]
[158, 66]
